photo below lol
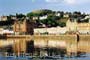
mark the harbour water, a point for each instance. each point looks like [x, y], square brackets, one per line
[81, 57]
[35, 48]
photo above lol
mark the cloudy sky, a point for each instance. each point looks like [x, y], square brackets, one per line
[24, 6]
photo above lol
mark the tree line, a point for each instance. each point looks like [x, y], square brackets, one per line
[52, 19]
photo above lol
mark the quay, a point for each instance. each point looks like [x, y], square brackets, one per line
[45, 44]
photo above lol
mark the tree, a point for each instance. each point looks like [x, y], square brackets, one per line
[39, 13]
[20, 16]
[61, 13]
[76, 14]
[62, 24]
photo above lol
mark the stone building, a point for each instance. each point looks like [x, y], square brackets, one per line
[23, 27]
[80, 27]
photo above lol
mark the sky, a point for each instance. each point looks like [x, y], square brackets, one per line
[24, 6]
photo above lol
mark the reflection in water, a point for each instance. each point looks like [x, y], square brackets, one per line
[80, 56]
[49, 53]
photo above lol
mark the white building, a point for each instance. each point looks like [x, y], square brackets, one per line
[35, 18]
[87, 17]
[53, 30]
[66, 15]
[43, 17]
[2, 31]
[57, 14]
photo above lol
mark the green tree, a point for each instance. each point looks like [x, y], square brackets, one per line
[20, 16]
[62, 24]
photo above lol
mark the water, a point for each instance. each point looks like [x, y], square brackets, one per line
[84, 57]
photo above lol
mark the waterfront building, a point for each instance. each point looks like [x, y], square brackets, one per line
[71, 26]
[80, 27]
[51, 31]
[23, 27]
